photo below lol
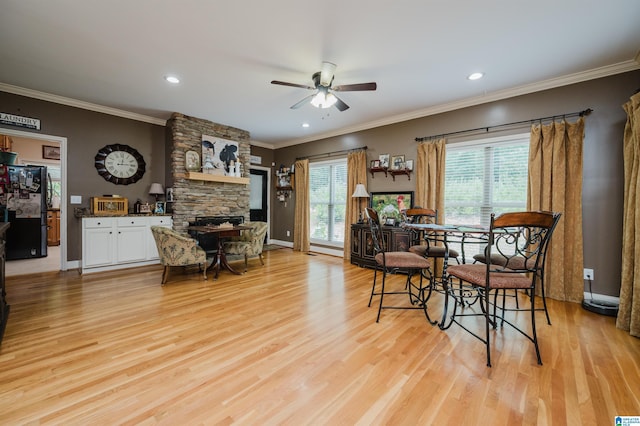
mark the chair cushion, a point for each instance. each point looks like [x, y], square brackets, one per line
[402, 259]
[476, 274]
[434, 251]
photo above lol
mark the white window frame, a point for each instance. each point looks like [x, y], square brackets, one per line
[337, 244]
[486, 206]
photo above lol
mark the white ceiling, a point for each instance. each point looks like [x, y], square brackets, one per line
[115, 53]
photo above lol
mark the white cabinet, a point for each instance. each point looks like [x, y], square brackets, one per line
[119, 242]
[152, 249]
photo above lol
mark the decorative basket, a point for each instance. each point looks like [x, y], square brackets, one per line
[109, 206]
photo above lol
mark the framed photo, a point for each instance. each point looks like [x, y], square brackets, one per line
[51, 152]
[390, 221]
[375, 164]
[384, 160]
[397, 162]
[192, 161]
[409, 164]
[388, 205]
[159, 208]
[145, 208]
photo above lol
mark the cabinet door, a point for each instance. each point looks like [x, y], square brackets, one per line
[131, 244]
[97, 247]
[152, 249]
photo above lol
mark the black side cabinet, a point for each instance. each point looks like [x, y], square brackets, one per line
[396, 239]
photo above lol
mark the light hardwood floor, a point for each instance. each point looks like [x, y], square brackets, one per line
[291, 342]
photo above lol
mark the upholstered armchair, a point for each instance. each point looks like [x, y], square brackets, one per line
[249, 244]
[177, 250]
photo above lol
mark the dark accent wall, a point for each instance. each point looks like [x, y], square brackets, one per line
[603, 178]
[87, 132]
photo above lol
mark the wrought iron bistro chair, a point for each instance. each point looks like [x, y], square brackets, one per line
[522, 239]
[426, 244]
[516, 263]
[397, 261]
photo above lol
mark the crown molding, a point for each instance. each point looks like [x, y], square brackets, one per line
[16, 90]
[601, 72]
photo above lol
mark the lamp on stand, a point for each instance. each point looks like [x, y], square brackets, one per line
[360, 193]
[156, 189]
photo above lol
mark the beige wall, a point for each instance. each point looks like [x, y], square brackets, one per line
[603, 167]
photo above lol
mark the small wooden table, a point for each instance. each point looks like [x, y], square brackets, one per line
[222, 232]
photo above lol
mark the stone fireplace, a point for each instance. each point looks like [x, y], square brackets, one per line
[195, 197]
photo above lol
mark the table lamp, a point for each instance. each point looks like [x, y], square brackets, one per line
[156, 189]
[359, 193]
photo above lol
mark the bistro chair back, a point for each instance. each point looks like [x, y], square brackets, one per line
[388, 262]
[521, 240]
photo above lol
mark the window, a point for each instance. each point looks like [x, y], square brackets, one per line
[327, 201]
[484, 177]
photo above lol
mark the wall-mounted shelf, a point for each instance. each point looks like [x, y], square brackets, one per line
[374, 170]
[217, 178]
[396, 172]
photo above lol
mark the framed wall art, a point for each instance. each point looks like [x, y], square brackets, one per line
[51, 152]
[218, 153]
[397, 162]
[388, 205]
[384, 160]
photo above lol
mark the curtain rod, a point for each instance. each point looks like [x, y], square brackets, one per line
[486, 128]
[328, 154]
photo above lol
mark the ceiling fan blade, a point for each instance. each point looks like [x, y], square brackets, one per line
[284, 83]
[326, 73]
[306, 100]
[355, 87]
[341, 105]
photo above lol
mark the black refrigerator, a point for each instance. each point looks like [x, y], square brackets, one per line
[24, 205]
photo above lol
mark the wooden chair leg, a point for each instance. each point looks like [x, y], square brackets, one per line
[165, 274]
[204, 271]
[246, 262]
[261, 259]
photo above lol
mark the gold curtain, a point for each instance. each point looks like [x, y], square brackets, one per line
[555, 184]
[356, 173]
[301, 215]
[430, 167]
[629, 311]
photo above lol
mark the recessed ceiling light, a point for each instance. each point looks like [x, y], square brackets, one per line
[476, 76]
[172, 79]
[305, 125]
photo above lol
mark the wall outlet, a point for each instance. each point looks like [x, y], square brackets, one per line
[588, 274]
[288, 233]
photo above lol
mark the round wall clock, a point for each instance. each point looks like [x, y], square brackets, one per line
[120, 164]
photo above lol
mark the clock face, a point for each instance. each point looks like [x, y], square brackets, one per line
[120, 164]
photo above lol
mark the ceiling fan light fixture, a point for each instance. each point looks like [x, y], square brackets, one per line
[323, 100]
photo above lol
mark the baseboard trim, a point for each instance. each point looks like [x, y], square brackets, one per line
[313, 249]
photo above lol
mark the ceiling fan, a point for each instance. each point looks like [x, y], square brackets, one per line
[324, 96]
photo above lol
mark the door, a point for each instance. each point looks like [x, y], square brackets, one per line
[258, 195]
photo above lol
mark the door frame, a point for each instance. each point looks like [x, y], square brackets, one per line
[268, 170]
[63, 182]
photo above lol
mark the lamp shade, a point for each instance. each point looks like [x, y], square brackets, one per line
[360, 192]
[156, 189]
